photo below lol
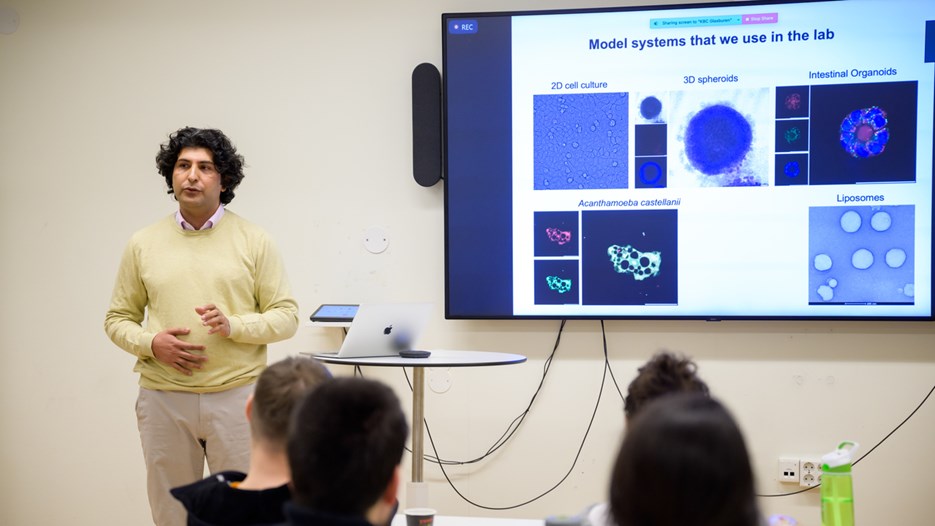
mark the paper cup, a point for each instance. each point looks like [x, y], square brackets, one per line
[420, 516]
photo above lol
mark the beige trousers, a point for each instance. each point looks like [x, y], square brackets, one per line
[179, 431]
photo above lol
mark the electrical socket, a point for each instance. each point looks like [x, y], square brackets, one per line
[809, 471]
[789, 470]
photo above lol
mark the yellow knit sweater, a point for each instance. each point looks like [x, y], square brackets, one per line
[166, 272]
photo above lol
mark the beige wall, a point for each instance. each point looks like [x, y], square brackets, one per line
[316, 95]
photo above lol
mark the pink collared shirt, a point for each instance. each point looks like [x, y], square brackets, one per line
[213, 220]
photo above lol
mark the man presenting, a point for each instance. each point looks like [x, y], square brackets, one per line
[197, 297]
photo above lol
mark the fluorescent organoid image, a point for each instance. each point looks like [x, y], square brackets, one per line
[558, 284]
[791, 169]
[864, 133]
[628, 260]
[792, 101]
[792, 135]
[873, 247]
[558, 236]
[580, 141]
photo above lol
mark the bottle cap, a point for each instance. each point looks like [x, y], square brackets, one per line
[841, 456]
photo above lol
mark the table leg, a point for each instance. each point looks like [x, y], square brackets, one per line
[418, 426]
[417, 491]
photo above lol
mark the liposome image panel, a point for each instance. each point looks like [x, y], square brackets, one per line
[720, 138]
[629, 257]
[863, 133]
[556, 234]
[861, 255]
[581, 141]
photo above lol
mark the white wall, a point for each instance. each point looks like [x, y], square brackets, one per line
[316, 96]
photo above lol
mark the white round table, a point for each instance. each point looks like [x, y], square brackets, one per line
[438, 358]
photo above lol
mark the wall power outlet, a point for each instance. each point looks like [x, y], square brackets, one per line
[809, 471]
[804, 470]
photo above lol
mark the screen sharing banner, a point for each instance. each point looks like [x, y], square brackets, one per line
[742, 160]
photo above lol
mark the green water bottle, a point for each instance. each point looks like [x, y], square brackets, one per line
[837, 490]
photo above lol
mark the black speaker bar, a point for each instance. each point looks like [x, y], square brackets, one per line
[426, 124]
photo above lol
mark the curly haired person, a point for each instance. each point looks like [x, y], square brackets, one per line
[198, 296]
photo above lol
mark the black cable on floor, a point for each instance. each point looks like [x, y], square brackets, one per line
[514, 426]
[584, 439]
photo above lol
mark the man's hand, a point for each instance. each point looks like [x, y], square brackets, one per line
[214, 319]
[170, 350]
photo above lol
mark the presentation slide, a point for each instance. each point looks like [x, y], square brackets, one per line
[749, 160]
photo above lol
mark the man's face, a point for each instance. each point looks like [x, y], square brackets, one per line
[196, 181]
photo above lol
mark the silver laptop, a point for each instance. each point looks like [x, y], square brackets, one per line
[380, 329]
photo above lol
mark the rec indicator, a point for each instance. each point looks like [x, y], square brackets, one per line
[462, 27]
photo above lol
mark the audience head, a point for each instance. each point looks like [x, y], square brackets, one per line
[665, 373]
[345, 444]
[683, 461]
[280, 387]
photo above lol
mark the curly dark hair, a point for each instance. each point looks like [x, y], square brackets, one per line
[665, 373]
[228, 162]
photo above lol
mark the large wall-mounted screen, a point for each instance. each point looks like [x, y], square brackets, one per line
[765, 160]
